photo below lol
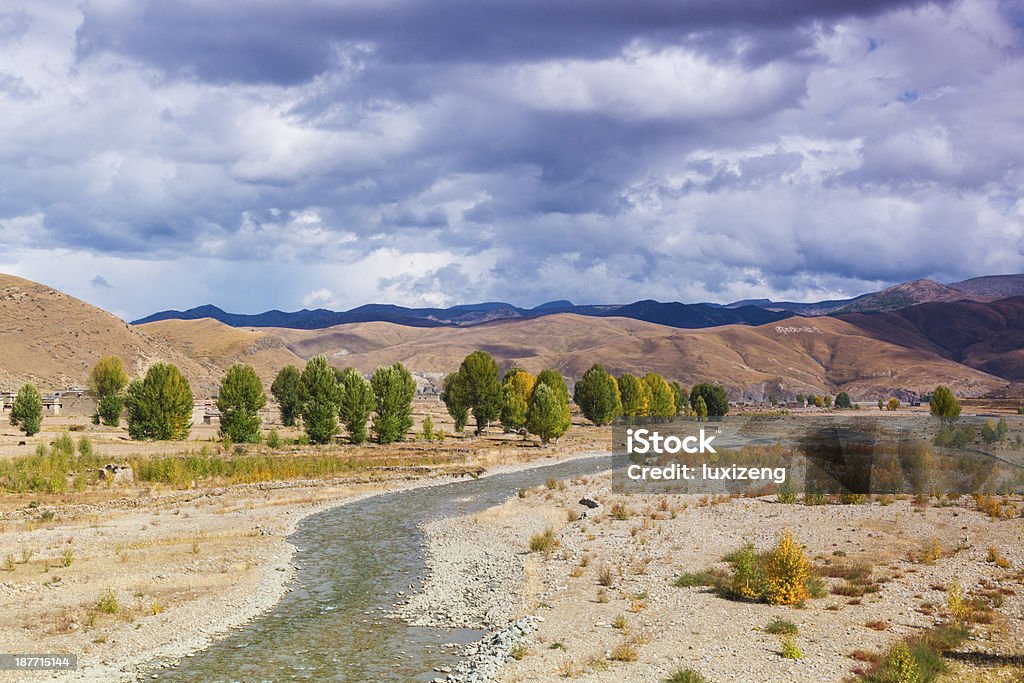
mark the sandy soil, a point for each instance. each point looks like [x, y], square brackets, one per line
[482, 573]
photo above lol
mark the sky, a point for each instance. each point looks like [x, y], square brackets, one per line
[162, 154]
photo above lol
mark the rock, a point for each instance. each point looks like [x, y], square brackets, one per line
[589, 502]
[118, 474]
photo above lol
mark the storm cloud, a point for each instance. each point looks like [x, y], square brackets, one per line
[264, 154]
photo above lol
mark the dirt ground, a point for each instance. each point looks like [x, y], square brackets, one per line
[607, 584]
[125, 574]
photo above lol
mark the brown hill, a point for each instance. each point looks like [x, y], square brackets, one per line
[985, 336]
[52, 339]
[798, 355]
[217, 345]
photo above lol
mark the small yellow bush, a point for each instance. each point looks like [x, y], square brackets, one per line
[787, 572]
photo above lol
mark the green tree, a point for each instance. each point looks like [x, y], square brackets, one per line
[554, 379]
[714, 397]
[453, 394]
[701, 408]
[287, 391]
[159, 405]
[357, 403]
[597, 395]
[516, 389]
[881, 404]
[321, 398]
[481, 387]
[843, 401]
[635, 396]
[663, 403]
[800, 399]
[545, 416]
[27, 410]
[944, 404]
[892, 404]
[827, 400]
[679, 397]
[239, 401]
[107, 381]
[393, 390]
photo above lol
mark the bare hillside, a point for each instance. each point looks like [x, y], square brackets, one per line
[52, 339]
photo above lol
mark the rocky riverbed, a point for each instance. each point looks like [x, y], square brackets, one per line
[608, 610]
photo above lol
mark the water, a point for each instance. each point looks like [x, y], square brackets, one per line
[352, 561]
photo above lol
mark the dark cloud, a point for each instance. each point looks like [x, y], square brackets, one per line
[289, 43]
[454, 151]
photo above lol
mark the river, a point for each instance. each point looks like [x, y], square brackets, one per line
[352, 562]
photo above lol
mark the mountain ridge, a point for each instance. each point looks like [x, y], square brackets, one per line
[672, 314]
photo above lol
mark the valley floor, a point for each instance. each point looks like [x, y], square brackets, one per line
[611, 612]
[140, 576]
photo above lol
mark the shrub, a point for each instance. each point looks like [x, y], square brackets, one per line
[787, 572]
[605, 577]
[107, 604]
[85, 447]
[623, 652]
[782, 627]
[790, 650]
[64, 445]
[519, 651]
[686, 676]
[274, 439]
[543, 542]
[956, 604]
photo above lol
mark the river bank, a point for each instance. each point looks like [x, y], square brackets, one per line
[184, 568]
[608, 609]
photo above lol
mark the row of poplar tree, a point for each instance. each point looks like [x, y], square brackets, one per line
[540, 405]
[159, 405]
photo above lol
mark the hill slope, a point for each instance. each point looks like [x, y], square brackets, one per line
[985, 336]
[799, 355]
[52, 339]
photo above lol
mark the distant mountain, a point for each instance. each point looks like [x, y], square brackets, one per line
[991, 287]
[672, 314]
[809, 309]
[902, 295]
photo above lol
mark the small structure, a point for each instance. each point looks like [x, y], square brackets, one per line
[52, 404]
